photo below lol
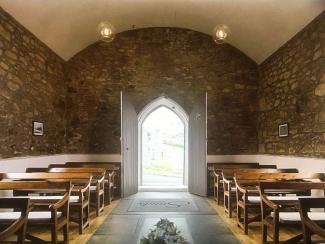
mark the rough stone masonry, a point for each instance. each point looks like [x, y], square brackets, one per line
[32, 87]
[79, 101]
[292, 90]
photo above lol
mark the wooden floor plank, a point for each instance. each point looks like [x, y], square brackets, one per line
[75, 238]
[255, 235]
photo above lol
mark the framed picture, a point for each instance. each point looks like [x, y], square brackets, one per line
[284, 130]
[38, 128]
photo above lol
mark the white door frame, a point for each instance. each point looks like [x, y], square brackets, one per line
[163, 101]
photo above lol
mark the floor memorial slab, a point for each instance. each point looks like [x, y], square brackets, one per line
[148, 217]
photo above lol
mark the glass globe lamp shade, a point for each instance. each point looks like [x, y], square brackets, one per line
[220, 34]
[106, 31]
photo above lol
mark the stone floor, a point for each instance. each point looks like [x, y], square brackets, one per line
[198, 227]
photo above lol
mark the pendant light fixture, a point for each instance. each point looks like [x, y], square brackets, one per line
[220, 33]
[106, 31]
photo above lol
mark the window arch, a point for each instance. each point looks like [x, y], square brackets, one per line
[166, 102]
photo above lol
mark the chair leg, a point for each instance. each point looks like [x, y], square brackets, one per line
[97, 204]
[245, 220]
[307, 236]
[66, 233]
[103, 199]
[88, 214]
[54, 235]
[225, 202]
[109, 195]
[21, 235]
[238, 215]
[275, 233]
[81, 219]
[229, 207]
[264, 233]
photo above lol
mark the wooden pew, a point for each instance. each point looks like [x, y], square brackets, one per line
[97, 190]
[247, 196]
[229, 186]
[16, 226]
[310, 225]
[211, 167]
[217, 176]
[113, 176]
[56, 217]
[79, 201]
[273, 207]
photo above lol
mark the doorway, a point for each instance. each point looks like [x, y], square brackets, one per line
[163, 142]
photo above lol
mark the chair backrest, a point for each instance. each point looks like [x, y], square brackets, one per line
[77, 170]
[34, 170]
[245, 174]
[213, 166]
[292, 183]
[17, 227]
[107, 166]
[45, 176]
[34, 185]
[245, 171]
[268, 166]
[277, 176]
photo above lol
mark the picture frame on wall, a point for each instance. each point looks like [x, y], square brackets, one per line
[284, 130]
[38, 128]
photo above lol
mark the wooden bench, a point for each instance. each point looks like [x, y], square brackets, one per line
[112, 178]
[56, 215]
[97, 189]
[211, 167]
[18, 225]
[312, 222]
[229, 186]
[217, 177]
[80, 199]
[247, 195]
[275, 208]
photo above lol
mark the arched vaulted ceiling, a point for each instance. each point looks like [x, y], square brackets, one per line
[258, 27]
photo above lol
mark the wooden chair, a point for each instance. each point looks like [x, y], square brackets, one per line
[247, 196]
[97, 189]
[229, 187]
[275, 208]
[16, 226]
[310, 224]
[211, 167]
[217, 177]
[79, 200]
[56, 217]
[112, 177]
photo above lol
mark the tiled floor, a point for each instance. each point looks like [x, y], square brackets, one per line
[202, 227]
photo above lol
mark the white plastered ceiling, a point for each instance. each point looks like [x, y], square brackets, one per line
[258, 27]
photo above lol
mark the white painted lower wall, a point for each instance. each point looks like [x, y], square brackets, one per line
[304, 164]
[20, 164]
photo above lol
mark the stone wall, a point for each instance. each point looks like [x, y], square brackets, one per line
[292, 89]
[79, 101]
[147, 63]
[31, 88]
